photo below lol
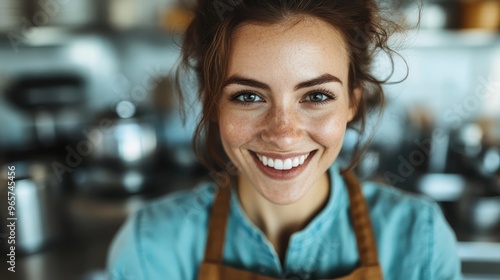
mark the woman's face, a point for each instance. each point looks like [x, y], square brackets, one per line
[285, 106]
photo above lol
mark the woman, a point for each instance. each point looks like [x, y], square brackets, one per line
[280, 82]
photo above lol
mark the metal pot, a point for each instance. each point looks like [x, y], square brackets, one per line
[122, 154]
[123, 138]
[36, 192]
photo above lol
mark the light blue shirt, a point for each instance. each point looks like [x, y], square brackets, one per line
[166, 238]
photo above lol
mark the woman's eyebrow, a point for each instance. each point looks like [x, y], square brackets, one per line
[235, 79]
[323, 79]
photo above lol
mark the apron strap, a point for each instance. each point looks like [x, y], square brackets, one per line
[360, 217]
[217, 225]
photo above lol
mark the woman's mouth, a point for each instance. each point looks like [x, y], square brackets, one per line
[283, 164]
[282, 167]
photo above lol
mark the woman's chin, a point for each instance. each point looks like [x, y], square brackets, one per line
[284, 196]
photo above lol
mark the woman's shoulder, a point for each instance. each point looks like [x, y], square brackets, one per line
[411, 231]
[380, 195]
[187, 205]
[171, 228]
[396, 213]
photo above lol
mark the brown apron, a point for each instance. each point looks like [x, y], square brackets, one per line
[212, 267]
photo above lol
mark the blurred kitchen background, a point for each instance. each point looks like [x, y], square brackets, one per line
[89, 120]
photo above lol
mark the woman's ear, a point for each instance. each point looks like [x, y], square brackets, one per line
[354, 103]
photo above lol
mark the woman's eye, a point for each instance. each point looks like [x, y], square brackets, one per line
[248, 97]
[317, 97]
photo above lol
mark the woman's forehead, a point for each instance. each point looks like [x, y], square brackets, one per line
[305, 48]
[301, 29]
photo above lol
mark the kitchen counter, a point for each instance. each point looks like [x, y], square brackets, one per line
[91, 223]
[85, 243]
[480, 260]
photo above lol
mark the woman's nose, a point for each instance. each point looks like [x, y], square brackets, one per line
[282, 128]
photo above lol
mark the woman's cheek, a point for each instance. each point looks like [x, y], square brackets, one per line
[329, 131]
[236, 128]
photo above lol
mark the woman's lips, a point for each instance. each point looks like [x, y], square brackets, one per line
[282, 167]
[282, 163]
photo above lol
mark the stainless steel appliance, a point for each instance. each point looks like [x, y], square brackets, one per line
[37, 202]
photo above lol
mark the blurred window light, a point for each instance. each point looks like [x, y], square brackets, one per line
[133, 181]
[129, 139]
[442, 187]
[487, 212]
[47, 36]
[91, 52]
[471, 135]
[491, 160]
[433, 16]
[125, 109]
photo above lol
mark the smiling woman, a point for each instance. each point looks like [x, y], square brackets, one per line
[280, 82]
[272, 110]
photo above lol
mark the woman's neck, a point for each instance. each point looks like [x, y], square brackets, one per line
[279, 222]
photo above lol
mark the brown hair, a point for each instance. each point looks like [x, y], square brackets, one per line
[207, 42]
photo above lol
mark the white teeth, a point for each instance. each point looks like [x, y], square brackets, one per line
[278, 164]
[283, 164]
[302, 159]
